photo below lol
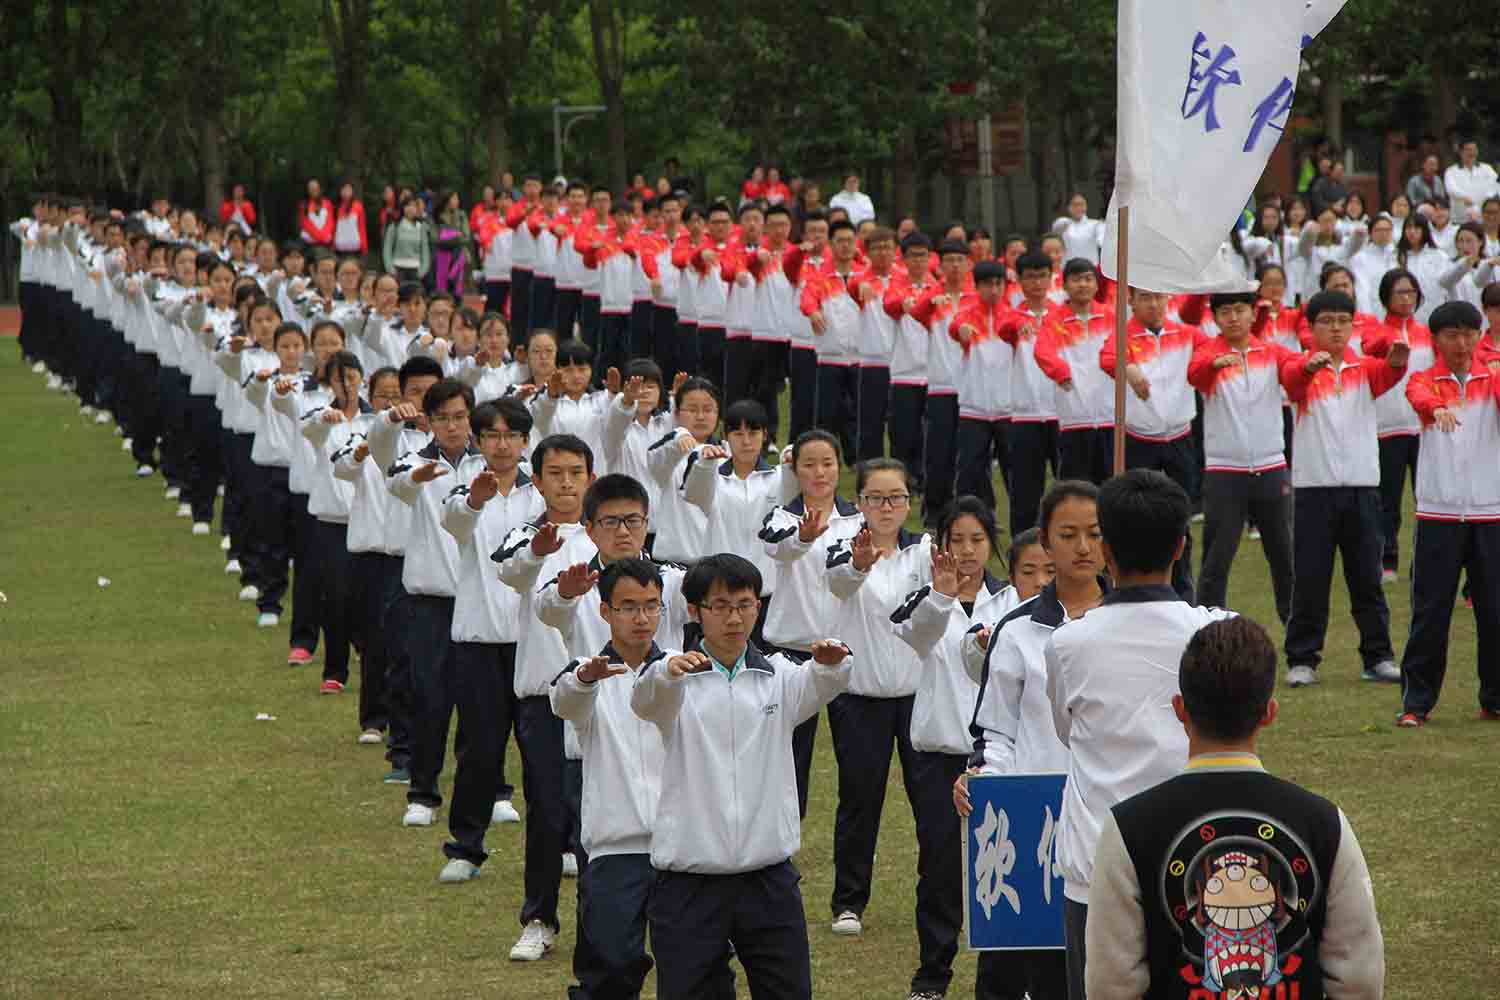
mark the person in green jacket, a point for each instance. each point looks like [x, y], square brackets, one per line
[408, 243]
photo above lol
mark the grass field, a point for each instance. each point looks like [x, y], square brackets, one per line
[164, 843]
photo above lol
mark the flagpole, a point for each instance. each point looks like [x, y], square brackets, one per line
[1122, 357]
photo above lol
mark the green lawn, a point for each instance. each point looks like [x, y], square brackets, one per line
[164, 843]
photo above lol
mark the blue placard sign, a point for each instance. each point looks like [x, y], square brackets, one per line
[1013, 886]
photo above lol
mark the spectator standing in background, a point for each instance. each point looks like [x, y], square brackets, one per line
[238, 210]
[853, 201]
[1426, 185]
[315, 217]
[1469, 182]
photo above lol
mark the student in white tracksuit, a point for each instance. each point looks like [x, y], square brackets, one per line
[636, 417]
[797, 537]
[932, 622]
[722, 853]
[1012, 727]
[682, 528]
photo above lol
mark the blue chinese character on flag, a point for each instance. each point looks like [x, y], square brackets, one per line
[1207, 72]
[1271, 112]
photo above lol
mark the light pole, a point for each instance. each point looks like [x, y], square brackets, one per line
[573, 113]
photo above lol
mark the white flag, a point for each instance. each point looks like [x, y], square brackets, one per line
[1205, 91]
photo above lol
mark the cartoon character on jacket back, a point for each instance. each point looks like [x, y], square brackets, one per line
[1240, 907]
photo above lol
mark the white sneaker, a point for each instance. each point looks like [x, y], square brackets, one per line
[201, 528]
[54, 381]
[418, 815]
[536, 940]
[267, 619]
[143, 471]
[232, 567]
[126, 444]
[459, 870]
[1388, 577]
[104, 417]
[1301, 676]
[505, 812]
[184, 510]
[119, 431]
[249, 592]
[39, 368]
[370, 737]
[219, 491]
[570, 865]
[223, 543]
[1253, 534]
[1197, 518]
[172, 493]
[85, 410]
[847, 924]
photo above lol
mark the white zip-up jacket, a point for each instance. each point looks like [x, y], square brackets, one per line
[735, 508]
[1012, 728]
[627, 442]
[431, 566]
[1241, 405]
[582, 417]
[1067, 350]
[307, 396]
[934, 626]
[484, 609]
[729, 788]
[681, 528]
[331, 496]
[1394, 416]
[1334, 441]
[1111, 676]
[622, 756]
[584, 631]
[804, 606]
[539, 649]
[863, 605]
[378, 522]
[1163, 355]
[1458, 478]
[278, 430]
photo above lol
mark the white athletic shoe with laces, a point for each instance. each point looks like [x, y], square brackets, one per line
[505, 812]
[267, 619]
[172, 493]
[458, 870]
[232, 567]
[570, 865]
[418, 815]
[536, 940]
[201, 528]
[847, 924]
[249, 592]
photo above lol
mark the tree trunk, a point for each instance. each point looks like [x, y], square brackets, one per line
[346, 26]
[1332, 96]
[1444, 97]
[606, 32]
[497, 147]
[211, 154]
[904, 174]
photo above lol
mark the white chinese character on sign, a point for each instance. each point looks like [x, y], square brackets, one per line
[997, 856]
[1046, 854]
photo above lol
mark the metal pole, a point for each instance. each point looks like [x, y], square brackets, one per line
[1122, 342]
[556, 137]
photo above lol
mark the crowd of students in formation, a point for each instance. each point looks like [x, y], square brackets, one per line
[569, 516]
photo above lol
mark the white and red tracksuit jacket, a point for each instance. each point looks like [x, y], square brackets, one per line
[589, 231]
[568, 272]
[1241, 405]
[828, 293]
[1394, 415]
[1033, 396]
[739, 306]
[799, 267]
[656, 261]
[909, 356]
[712, 296]
[1163, 357]
[775, 296]
[984, 376]
[877, 330]
[523, 242]
[1458, 478]
[1067, 350]
[945, 355]
[1334, 441]
[688, 279]
[612, 258]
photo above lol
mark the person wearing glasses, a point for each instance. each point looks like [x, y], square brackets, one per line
[723, 840]
[1336, 479]
[870, 574]
[479, 515]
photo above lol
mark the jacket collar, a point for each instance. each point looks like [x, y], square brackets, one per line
[613, 656]
[1141, 595]
[843, 507]
[1047, 610]
[754, 658]
[1477, 369]
[433, 453]
[726, 467]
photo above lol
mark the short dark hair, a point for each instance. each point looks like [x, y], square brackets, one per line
[1451, 315]
[1489, 298]
[971, 506]
[570, 444]
[418, 367]
[915, 240]
[777, 209]
[1060, 490]
[839, 225]
[1388, 285]
[1227, 677]
[746, 414]
[409, 291]
[615, 486]
[286, 330]
[1329, 270]
[812, 437]
[1033, 260]
[989, 270]
[380, 373]
[1328, 302]
[1219, 300]
[574, 352]
[514, 412]
[698, 384]
[864, 470]
[734, 572]
[1019, 544]
[1079, 265]
[1143, 515]
[445, 391]
[642, 571]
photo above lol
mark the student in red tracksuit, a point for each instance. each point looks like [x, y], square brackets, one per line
[739, 306]
[935, 310]
[1245, 475]
[835, 319]
[694, 223]
[1159, 404]
[1032, 438]
[589, 303]
[811, 257]
[611, 254]
[315, 217]
[1067, 349]
[642, 308]
[568, 278]
[909, 355]
[1336, 474]
[523, 256]
[875, 344]
[984, 389]
[665, 279]
[775, 311]
[1397, 426]
[1458, 513]
[712, 298]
